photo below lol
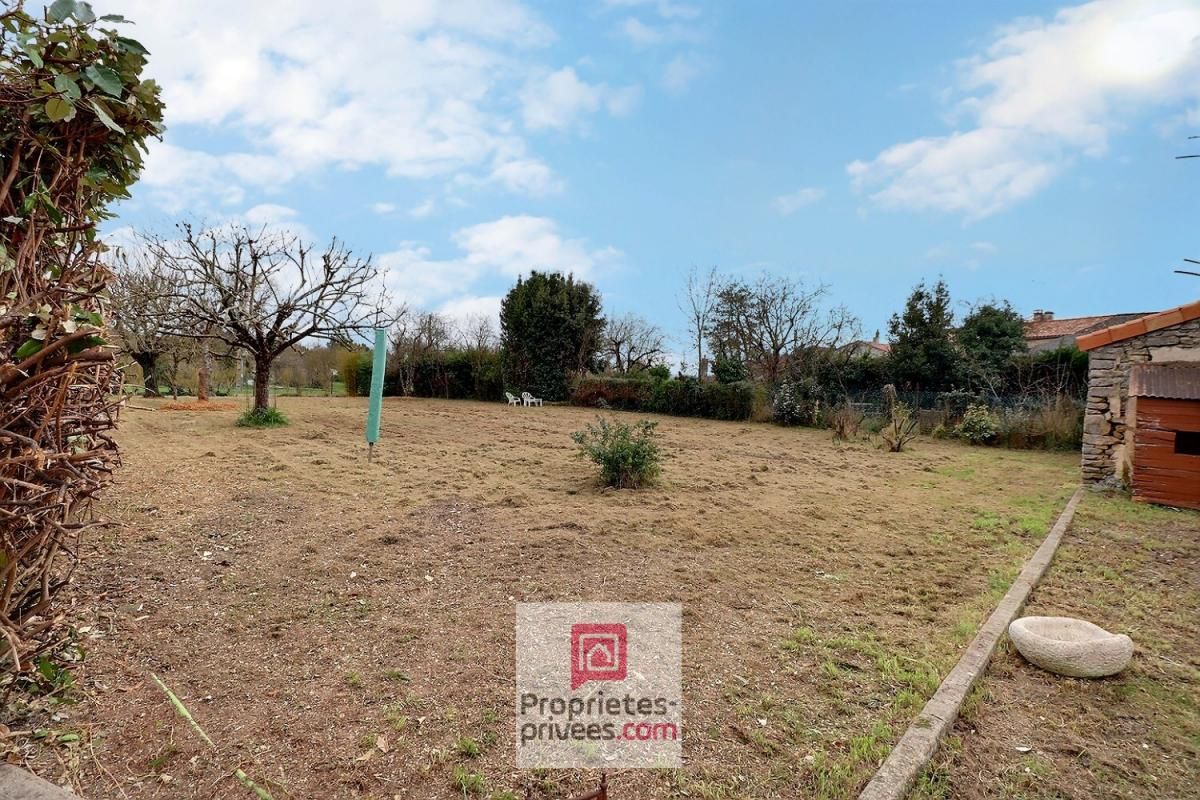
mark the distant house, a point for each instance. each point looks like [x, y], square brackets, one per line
[865, 349]
[1044, 332]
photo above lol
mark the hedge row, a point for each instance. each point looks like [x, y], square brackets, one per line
[452, 375]
[681, 397]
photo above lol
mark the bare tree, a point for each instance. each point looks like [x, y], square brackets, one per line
[145, 313]
[698, 301]
[415, 336]
[477, 333]
[631, 343]
[267, 292]
[773, 320]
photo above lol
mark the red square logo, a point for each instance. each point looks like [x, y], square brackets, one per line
[598, 652]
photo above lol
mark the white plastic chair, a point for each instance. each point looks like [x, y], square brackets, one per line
[512, 401]
[530, 400]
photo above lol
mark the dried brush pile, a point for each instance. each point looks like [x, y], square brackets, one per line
[74, 118]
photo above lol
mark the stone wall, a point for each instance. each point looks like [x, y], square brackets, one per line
[1109, 419]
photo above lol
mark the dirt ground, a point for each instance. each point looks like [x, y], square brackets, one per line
[345, 630]
[1025, 733]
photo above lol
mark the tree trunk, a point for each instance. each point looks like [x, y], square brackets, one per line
[262, 383]
[149, 364]
[205, 370]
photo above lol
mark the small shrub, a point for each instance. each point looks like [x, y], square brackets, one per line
[262, 418]
[797, 402]
[900, 428]
[978, 426]
[627, 455]
[845, 420]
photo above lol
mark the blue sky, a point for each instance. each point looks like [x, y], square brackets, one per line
[1022, 150]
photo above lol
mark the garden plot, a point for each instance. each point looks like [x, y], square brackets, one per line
[345, 630]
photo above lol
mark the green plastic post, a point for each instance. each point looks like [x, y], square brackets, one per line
[377, 366]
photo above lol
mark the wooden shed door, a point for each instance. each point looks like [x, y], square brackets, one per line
[1166, 452]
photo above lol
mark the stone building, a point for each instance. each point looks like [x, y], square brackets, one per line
[1110, 423]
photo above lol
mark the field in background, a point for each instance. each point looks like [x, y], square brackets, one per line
[346, 631]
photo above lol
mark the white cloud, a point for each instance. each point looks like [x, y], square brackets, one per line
[667, 9]
[558, 99]
[269, 214]
[971, 255]
[640, 33]
[527, 176]
[423, 209]
[1040, 95]
[503, 248]
[463, 310]
[416, 89]
[679, 73]
[516, 244]
[383, 209]
[179, 179]
[787, 204]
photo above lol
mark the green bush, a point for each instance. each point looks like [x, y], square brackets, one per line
[262, 418]
[354, 365]
[978, 426]
[727, 369]
[797, 402]
[687, 397]
[627, 455]
[454, 375]
[680, 397]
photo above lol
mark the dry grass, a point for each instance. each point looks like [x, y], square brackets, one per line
[304, 604]
[1025, 733]
[198, 405]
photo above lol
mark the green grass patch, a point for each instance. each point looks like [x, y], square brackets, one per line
[262, 418]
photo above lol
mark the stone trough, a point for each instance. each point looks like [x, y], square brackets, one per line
[1072, 647]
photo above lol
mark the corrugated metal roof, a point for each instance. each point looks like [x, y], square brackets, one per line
[1171, 381]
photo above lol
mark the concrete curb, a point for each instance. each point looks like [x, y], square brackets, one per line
[919, 743]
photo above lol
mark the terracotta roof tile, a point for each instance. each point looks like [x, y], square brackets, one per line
[1073, 326]
[1146, 324]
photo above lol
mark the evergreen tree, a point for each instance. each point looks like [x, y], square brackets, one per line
[989, 337]
[550, 328]
[923, 351]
